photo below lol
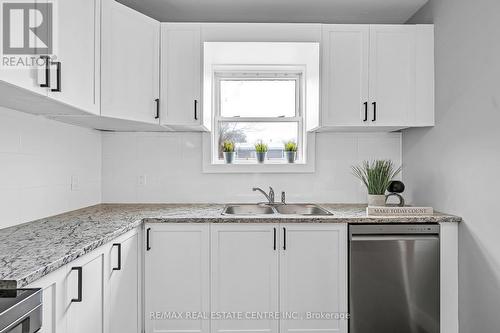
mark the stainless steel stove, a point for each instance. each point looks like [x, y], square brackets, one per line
[20, 310]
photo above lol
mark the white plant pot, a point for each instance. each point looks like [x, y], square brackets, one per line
[376, 200]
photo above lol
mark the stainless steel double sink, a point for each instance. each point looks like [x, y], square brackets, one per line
[269, 209]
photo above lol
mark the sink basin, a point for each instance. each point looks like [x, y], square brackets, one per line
[249, 209]
[301, 209]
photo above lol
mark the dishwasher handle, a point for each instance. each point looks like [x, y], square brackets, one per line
[378, 238]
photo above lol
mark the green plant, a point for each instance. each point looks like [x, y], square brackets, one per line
[261, 147]
[228, 146]
[376, 175]
[290, 146]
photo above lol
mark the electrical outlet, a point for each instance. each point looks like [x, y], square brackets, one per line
[143, 180]
[75, 183]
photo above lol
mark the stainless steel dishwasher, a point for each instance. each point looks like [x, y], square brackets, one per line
[394, 278]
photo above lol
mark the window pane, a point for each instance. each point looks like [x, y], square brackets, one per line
[257, 98]
[246, 134]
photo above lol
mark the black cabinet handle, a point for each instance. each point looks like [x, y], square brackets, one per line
[274, 246]
[284, 239]
[157, 108]
[119, 267]
[58, 75]
[195, 109]
[80, 284]
[366, 111]
[47, 72]
[147, 239]
[374, 111]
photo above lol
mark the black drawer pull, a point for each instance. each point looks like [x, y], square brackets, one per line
[274, 246]
[47, 72]
[366, 111]
[119, 267]
[147, 239]
[195, 109]
[157, 108]
[374, 111]
[58, 76]
[284, 239]
[80, 284]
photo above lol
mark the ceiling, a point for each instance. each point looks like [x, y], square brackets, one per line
[291, 11]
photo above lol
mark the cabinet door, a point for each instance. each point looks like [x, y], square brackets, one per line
[124, 275]
[177, 277]
[244, 276]
[345, 75]
[181, 74]
[313, 276]
[76, 45]
[27, 78]
[392, 74]
[54, 301]
[85, 313]
[130, 64]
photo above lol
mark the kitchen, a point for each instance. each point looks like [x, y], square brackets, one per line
[206, 159]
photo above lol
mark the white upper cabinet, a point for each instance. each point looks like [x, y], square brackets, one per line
[244, 276]
[345, 74]
[181, 76]
[71, 79]
[130, 64]
[370, 76]
[75, 74]
[31, 78]
[392, 75]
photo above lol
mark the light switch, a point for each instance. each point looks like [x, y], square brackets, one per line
[142, 180]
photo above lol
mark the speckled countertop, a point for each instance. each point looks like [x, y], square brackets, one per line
[32, 250]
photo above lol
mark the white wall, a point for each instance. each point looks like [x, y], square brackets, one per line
[454, 166]
[38, 158]
[172, 166]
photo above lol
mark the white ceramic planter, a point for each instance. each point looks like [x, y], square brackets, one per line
[376, 200]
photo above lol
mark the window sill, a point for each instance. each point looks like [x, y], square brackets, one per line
[259, 168]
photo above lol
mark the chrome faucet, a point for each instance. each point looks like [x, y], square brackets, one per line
[269, 197]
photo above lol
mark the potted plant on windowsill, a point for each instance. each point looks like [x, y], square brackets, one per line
[291, 151]
[228, 151]
[261, 151]
[376, 176]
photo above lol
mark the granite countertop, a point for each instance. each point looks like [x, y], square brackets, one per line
[32, 250]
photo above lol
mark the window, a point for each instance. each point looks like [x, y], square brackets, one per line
[258, 106]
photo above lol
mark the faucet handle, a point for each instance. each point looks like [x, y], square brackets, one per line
[271, 194]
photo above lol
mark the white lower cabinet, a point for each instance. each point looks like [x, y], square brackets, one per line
[85, 294]
[244, 276]
[313, 278]
[123, 271]
[251, 277]
[54, 301]
[177, 277]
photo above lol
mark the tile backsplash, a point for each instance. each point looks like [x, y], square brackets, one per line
[167, 167]
[46, 167]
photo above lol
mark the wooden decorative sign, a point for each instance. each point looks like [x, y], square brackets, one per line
[399, 211]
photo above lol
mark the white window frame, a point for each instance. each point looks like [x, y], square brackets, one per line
[271, 75]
